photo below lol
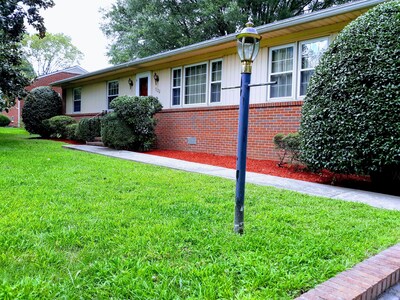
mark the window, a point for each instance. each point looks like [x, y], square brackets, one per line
[281, 71]
[196, 84]
[112, 91]
[216, 74]
[292, 71]
[176, 86]
[77, 95]
[310, 54]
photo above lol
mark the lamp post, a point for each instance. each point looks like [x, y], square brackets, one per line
[248, 44]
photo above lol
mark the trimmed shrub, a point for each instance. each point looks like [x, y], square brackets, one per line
[4, 121]
[70, 131]
[350, 119]
[288, 147]
[117, 134]
[88, 129]
[41, 104]
[57, 125]
[137, 113]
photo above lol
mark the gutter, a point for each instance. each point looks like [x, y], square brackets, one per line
[310, 17]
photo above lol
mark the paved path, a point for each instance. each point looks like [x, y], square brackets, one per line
[316, 189]
[391, 294]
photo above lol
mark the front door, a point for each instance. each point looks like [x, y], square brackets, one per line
[144, 86]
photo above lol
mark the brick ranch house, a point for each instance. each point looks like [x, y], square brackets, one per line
[198, 114]
[14, 113]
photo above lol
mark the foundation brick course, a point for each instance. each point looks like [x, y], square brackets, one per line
[215, 128]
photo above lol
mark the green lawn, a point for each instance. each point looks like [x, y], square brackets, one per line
[75, 225]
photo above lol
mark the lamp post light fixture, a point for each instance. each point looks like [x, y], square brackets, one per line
[248, 44]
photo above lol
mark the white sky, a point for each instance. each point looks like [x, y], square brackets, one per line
[80, 19]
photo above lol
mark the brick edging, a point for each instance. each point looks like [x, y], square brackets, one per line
[365, 281]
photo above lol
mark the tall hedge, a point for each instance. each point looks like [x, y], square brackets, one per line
[351, 114]
[117, 134]
[136, 116]
[88, 129]
[41, 104]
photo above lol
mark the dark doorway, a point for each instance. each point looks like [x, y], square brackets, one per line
[143, 86]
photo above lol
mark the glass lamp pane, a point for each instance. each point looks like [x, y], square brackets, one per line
[240, 49]
[256, 49]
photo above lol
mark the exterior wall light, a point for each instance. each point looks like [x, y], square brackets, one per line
[130, 82]
[248, 45]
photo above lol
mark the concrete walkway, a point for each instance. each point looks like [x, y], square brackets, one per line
[310, 188]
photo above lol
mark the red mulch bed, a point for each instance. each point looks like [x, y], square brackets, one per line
[67, 141]
[268, 167]
[271, 168]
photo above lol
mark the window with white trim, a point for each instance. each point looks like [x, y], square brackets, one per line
[281, 71]
[112, 91]
[77, 96]
[215, 81]
[176, 86]
[195, 85]
[310, 53]
[292, 71]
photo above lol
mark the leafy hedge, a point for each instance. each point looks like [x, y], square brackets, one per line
[88, 129]
[41, 104]
[135, 117]
[57, 125]
[4, 121]
[117, 134]
[350, 119]
[70, 131]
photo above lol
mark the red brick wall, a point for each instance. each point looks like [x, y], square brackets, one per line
[215, 128]
[13, 113]
[42, 81]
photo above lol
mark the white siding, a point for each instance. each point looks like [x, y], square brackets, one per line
[162, 90]
[230, 77]
[259, 75]
[124, 88]
[94, 96]
[93, 99]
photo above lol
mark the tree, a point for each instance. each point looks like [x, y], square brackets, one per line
[50, 53]
[138, 29]
[351, 114]
[13, 14]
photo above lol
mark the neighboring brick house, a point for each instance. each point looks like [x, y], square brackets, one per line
[14, 112]
[198, 115]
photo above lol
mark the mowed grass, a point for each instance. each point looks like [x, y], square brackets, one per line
[81, 226]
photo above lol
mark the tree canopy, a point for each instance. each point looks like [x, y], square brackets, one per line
[50, 53]
[138, 29]
[13, 15]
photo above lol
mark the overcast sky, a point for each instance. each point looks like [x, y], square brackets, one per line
[80, 19]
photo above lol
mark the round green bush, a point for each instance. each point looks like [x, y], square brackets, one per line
[138, 114]
[350, 119]
[88, 129]
[4, 121]
[57, 125]
[41, 104]
[70, 131]
[117, 134]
